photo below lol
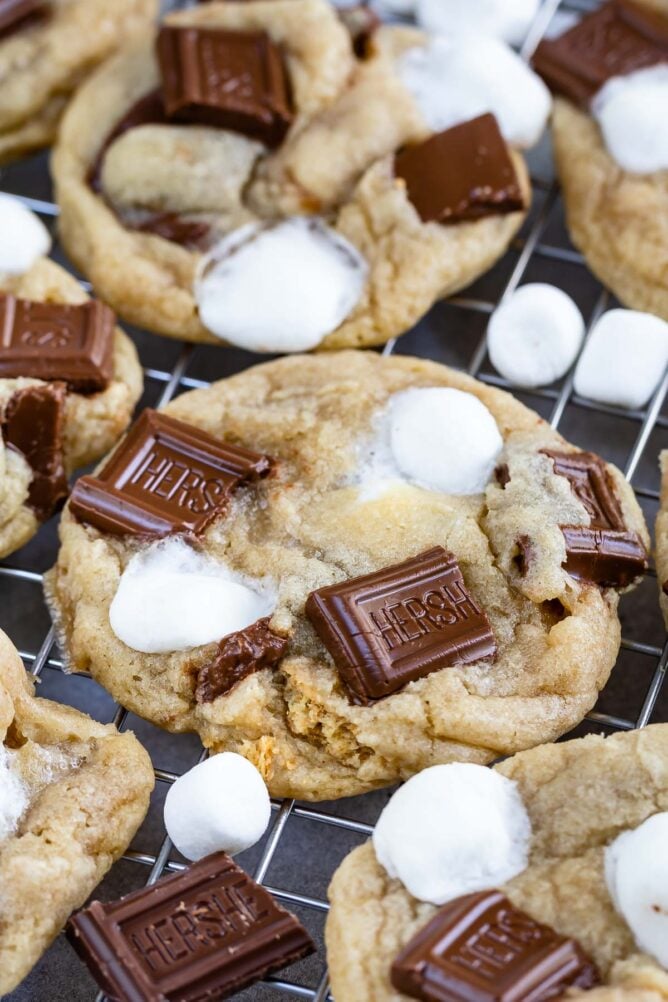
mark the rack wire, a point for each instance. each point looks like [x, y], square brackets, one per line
[454, 332]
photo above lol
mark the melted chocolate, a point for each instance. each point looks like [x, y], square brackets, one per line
[15, 15]
[171, 226]
[148, 110]
[239, 655]
[362, 23]
[33, 425]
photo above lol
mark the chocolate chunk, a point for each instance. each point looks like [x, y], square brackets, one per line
[461, 174]
[480, 948]
[525, 555]
[362, 23]
[399, 624]
[229, 79]
[166, 476]
[148, 110]
[16, 14]
[239, 655]
[605, 552]
[205, 933]
[57, 341]
[502, 475]
[32, 424]
[614, 40]
[664, 587]
[191, 233]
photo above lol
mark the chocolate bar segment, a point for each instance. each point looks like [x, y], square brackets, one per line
[239, 655]
[616, 39]
[32, 424]
[14, 14]
[205, 933]
[592, 485]
[399, 624]
[72, 343]
[464, 173]
[166, 476]
[480, 948]
[229, 79]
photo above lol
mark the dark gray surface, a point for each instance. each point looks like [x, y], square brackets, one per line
[308, 850]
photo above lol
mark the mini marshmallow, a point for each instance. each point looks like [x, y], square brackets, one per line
[13, 796]
[453, 829]
[534, 336]
[23, 236]
[172, 598]
[636, 872]
[222, 804]
[632, 113]
[455, 78]
[624, 359]
[279, 288]
[508, 20]
[443, 439]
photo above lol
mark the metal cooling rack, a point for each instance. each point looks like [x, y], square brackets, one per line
[305, 843]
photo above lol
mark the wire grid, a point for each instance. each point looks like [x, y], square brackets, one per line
[534, 245]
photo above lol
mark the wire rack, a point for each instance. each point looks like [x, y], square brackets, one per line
[305, 843]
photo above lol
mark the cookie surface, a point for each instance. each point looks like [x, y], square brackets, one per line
[320, 519]
[85, 790]
[140, 237]
[579, 795]
[92, 423]
[45, 57]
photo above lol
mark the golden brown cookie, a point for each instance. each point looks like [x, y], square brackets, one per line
[74, 793]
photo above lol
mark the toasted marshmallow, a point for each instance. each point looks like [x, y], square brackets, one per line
[508, 20]
[23, 237]
[632, 112]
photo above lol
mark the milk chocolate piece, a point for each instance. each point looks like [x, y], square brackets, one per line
[148, 110]
[605, 552]
[399, 624]
[461, 174]
[239, 655]
[191, 233]
[480, 948]
[32, 424]
[73, 343]
[166, 476]
[229, 79]
[205, 933]
[614, 40]
[16, 14]
[362, 23]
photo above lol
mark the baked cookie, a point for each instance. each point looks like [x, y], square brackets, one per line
[611, 72]
[46, 48]
[181, 205]
[586, 804]
[72, 794]
[69, 381]
[244, 521]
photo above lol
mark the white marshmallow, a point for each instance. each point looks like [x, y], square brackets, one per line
[453, 829]
[13, 795]
[534, 336]
[636, 872]
[23, 236]
[632, 112]
[443, 439]
[172, 598]
[220, 805]
[624, 359]
[279, 288]
[509, 20]
[455, 78]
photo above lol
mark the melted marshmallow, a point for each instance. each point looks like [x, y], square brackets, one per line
[279, 288]
[509, 20]
[624, 359]
[453, 829]
[636, 872]
[535, 334]
[172, 598]
[23, 236]
[13, 795]
[443, 439]
[457, 77]
[632, 112]
[222, 804]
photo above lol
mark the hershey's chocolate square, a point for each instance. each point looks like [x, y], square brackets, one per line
[201, 934]
[14, 12]
[166, 476]
[73, 343]
[230, 79]
[463, 173]
[614, 40]
[480, 948]
[399, 624]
